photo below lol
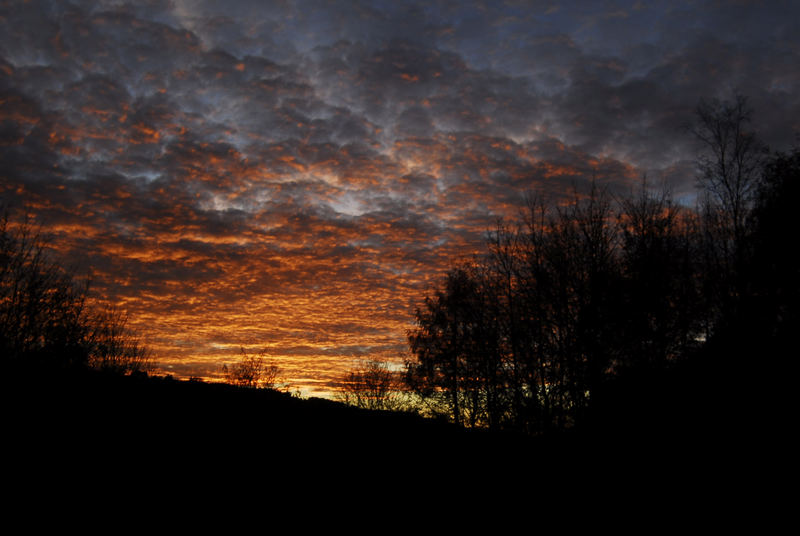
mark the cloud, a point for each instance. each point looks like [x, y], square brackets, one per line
[294, 175]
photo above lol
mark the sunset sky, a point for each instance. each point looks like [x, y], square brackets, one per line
[294, 175]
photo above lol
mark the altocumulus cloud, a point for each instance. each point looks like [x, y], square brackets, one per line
[293, 175]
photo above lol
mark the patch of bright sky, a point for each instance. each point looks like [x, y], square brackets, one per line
[221, 203]
[348, 204]
[147, 176]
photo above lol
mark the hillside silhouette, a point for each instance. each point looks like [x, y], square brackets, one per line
[109, 418]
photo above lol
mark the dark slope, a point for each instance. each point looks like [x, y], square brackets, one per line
[164, 421]
[89, 435]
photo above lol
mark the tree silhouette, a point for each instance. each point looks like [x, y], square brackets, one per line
[769, 293]
[460, 358]
[253, 371]
[774, 268]
[730, 168]
[589, 303]
[43, 312]
[664, 308]
[730, 173]
[45, 319]
[113, 347]
[373, 385]
[522, 336]
[440, 344]
[530, 334]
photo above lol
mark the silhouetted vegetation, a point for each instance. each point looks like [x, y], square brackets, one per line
[46, 321]
[253, 370]
[578, 302]
[523, 337]
[373, 385]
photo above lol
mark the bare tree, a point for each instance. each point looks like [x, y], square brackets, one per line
[253, 370]
[114, 348]
[527, 335]
[42, 306]
[729, 169]
[45, 319]
[584, 295]
[730, 173]
[372, 385]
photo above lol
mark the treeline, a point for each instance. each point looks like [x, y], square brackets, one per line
[577, 294]
[47, 320]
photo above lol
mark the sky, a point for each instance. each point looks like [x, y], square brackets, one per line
[294, 176]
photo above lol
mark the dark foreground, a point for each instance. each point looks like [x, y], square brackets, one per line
[88, 423]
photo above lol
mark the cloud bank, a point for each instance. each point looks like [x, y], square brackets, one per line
[294, 175]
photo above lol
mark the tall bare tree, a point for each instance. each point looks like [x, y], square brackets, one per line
[730, 170]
